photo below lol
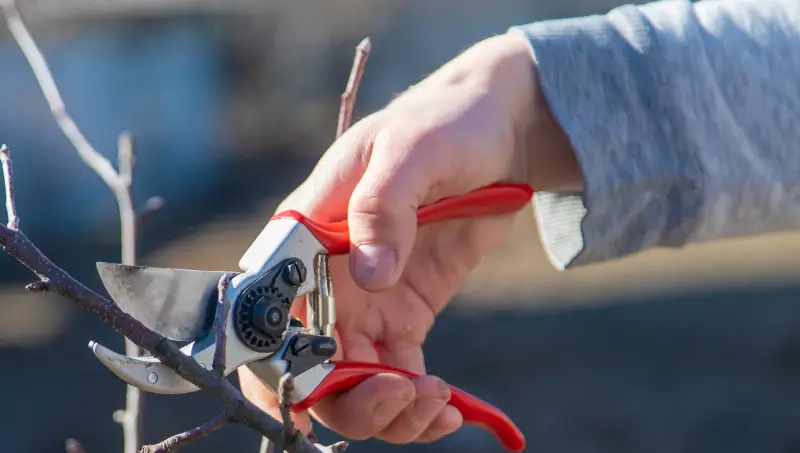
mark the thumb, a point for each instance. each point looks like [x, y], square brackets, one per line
[382, 216]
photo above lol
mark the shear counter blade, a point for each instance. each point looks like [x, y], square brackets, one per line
[176, 303]
[147, 373]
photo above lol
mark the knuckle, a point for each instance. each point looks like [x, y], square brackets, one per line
[414, 141]
[356, 428]
[414, 144]
[372, 204]
[415, 421]
[405, 430]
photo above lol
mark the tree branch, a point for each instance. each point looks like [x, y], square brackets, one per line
[220, 322]
[11, 208]
[285, 388]
[73, 446]
[349, 95]
[131, 417]
[151, 206]
[178, 441]
[41, 71]
[56, 280]
[348, 101]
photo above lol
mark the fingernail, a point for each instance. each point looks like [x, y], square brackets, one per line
[387, 410]
[432, 387]
[443, 389]
[374, 265]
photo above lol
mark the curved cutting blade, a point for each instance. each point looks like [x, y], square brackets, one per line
[147, 373]
[176, 303]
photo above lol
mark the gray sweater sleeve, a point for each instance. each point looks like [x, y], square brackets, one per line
[685, 118]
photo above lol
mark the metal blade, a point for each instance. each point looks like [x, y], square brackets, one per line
[147, 373]
[176, 303]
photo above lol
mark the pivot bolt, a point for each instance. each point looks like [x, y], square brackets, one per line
[269, 316]
[274, 317]
[295, 273]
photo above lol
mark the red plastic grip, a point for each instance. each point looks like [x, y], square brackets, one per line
[495, 199]
[475, 411]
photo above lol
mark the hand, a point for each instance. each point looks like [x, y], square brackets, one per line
[465, 126]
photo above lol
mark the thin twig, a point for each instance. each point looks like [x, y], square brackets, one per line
[178, 441]
[285, 388]
[338, 447]
[119, 183]
[130, 417]
[126, 159]
[348, 100]
[151, 206]
[11, 208]
[220, 322]
[73, 446]
[346, 107]
[41, 71]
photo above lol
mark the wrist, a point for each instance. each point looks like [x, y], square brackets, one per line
[545, 150]
[543, 155]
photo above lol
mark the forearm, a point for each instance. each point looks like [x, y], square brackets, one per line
[684, 119]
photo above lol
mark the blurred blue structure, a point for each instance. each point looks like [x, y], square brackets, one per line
[161, 81]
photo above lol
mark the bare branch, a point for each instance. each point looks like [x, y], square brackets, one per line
[178, 441]
[37, 287]
[349, 95]
[220, 322]
[41, 71]
[122, 191]
[129, 418]
[346, 106]
[338, 447]
[151, 206]
[285, 388]
[125, 158]
[8, 177]
[73, 446]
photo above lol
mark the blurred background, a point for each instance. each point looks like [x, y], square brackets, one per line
[230, 104]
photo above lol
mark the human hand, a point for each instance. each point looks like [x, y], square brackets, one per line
[466, 126]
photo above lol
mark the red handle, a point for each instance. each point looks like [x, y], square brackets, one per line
[475, 411]
[495, 199]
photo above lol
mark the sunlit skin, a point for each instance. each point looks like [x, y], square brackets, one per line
[479, 119]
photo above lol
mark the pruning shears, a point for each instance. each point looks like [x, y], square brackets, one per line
[287, 260]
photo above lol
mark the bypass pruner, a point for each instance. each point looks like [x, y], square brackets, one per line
[288, 260]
